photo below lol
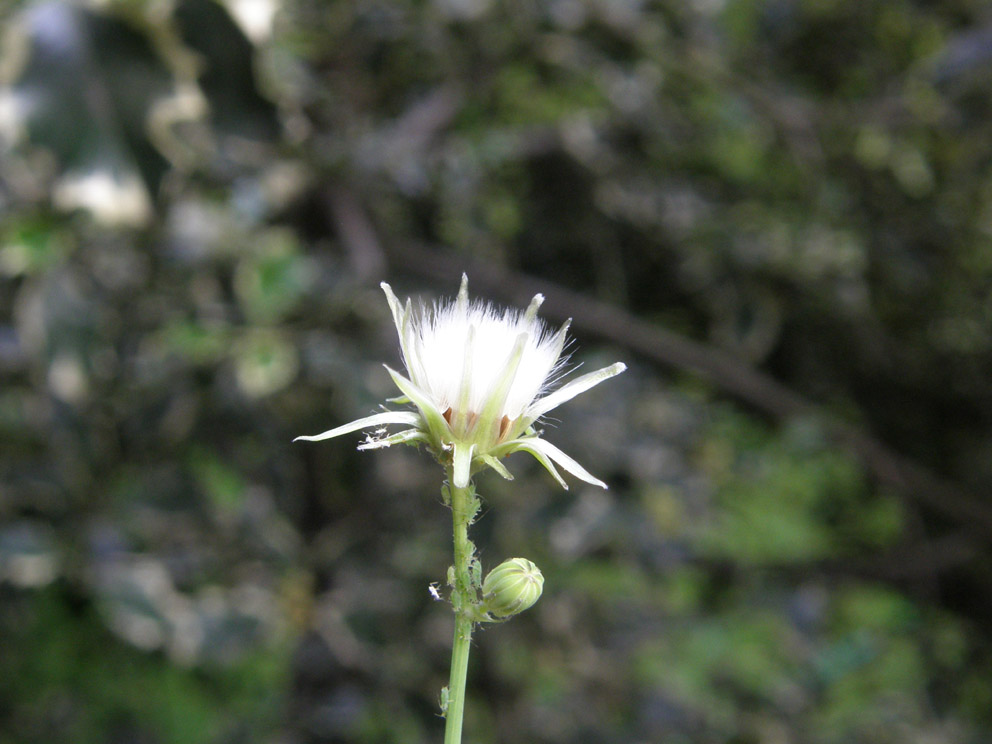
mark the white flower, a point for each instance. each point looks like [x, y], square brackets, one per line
[479, 378]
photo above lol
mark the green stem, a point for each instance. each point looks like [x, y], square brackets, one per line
[456, 685]
[463, 599]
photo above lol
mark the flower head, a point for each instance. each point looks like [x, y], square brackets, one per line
[513, 586]
[479, 378]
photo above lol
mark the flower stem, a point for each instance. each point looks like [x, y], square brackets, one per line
[456, 685]
[464, 597]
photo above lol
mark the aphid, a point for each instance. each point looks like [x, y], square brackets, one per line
[432, 588]
[445, 699]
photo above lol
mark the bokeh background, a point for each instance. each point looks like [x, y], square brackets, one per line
[777, 212]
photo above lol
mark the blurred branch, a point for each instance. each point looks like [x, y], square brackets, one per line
[356, 234]
[413, 130]
[724, 371]
[913, 563]
[420, 123]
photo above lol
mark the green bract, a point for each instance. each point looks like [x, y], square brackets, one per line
[479, 378]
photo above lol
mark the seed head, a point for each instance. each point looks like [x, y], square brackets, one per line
[479, 377]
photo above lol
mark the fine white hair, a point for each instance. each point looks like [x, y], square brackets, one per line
[452, 343]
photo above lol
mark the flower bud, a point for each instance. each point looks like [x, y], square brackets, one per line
[512, 587]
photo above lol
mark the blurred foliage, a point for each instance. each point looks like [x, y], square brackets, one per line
[197, 201]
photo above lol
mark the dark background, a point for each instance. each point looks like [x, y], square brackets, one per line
[777, 212]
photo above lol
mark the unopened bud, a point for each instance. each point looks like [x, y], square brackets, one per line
[512, 587]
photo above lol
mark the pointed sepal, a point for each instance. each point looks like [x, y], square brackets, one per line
[526, 446]
[568, 391]
[436, 425]
[546, 454]
[407, 436]
[497, 466]
[566, 462]
[461, 464]
[377, 420]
